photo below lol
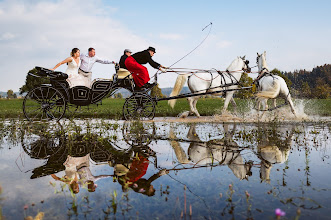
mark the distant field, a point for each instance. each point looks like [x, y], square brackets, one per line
[112, 108]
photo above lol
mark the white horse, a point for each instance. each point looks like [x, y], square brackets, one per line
[202, 82]
[271, 86]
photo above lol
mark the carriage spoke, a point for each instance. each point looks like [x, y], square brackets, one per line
[139, 106]
[42, 95]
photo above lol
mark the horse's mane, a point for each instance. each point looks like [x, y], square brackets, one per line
[234, 64]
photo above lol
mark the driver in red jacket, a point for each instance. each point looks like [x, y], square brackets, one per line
[139, 72]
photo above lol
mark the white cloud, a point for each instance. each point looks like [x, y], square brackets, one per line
[45, 32]
[7, 36]
[171, 36]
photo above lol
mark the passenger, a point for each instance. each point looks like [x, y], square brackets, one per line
[74, 61]
[132, 177]
[78, 173]
[126, 54]
[87, 63]
[140, 73]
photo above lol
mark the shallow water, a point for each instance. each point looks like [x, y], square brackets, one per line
[166, 170]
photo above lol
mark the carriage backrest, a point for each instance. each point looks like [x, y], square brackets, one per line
[122, 73]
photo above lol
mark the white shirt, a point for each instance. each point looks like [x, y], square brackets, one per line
[87, 62]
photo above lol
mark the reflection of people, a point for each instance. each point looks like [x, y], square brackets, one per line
[74, 61]
[87, 63]
[139, 72]
[126, 54]
[132, 176]
[78, 173]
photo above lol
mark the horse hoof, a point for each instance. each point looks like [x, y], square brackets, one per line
[184, 115]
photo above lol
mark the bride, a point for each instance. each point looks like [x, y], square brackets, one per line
[74, 79]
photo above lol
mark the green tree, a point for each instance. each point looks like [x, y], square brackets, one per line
[305, 90]
[245, 81]
[279, 73]
[156, 92]
[322, 90]
[32, 82]
[10, 94]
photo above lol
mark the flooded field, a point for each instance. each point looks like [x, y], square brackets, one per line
[166, 169]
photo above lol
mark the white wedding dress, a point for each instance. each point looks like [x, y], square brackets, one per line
[75, 79]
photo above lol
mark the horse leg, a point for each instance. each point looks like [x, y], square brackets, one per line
[228, 97]
[193, 105]
[192, 102]
[264, 102]
[291, 105]
[234, 104]
[274, 103]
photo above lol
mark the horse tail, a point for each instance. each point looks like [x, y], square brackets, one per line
[180, 81]
[272, 93]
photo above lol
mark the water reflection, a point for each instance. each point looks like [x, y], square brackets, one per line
[224, 151]
[105, 167]
[272, 149]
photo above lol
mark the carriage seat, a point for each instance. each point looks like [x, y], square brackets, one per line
[122, 73]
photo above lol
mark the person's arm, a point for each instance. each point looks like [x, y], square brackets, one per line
[153, 63]
[55, 177]
[104, 61]
[96, 178]
[62, 62]
[157, 175]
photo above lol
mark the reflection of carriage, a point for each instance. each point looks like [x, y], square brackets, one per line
[55, 148]
[51, 101]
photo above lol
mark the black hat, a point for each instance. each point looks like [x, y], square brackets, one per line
[151, 49]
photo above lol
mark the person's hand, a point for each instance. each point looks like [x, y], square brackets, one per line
[162, 70]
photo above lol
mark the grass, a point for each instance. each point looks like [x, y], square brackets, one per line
[112, 108]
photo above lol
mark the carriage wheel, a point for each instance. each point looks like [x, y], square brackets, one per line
[44, 103]
[43, 140]
[139, 106]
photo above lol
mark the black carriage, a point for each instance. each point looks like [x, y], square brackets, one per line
[52, 101]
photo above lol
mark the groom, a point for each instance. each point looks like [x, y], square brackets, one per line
[87, 61]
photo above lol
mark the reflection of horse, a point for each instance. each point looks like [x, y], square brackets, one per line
[271, 86]
[224, 152]
[272, 149]
[201, 83]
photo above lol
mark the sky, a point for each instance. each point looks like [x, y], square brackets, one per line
[295, 34]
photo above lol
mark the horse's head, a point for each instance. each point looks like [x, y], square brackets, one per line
[261, 62]
[239, 64]
[245, 66]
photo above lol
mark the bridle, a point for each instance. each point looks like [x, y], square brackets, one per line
[246, 68]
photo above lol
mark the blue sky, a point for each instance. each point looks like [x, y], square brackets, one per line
[295, 34]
